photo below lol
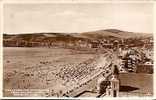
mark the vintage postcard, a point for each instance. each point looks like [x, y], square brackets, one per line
[78, 49]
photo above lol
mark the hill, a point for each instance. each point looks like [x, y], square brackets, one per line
[27, 39]
[114, 33]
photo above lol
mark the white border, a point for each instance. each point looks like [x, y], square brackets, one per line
[73, 2]
[154, 33]
[1, 49]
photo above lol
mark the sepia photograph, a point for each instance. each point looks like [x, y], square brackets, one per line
[78, 50]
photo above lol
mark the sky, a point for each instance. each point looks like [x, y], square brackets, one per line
[79, 17]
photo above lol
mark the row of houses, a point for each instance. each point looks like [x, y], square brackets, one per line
[137, 60]
[101, 43]
[47, 43]
[22, 43]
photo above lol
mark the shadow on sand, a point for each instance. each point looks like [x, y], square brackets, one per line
[127, 88]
